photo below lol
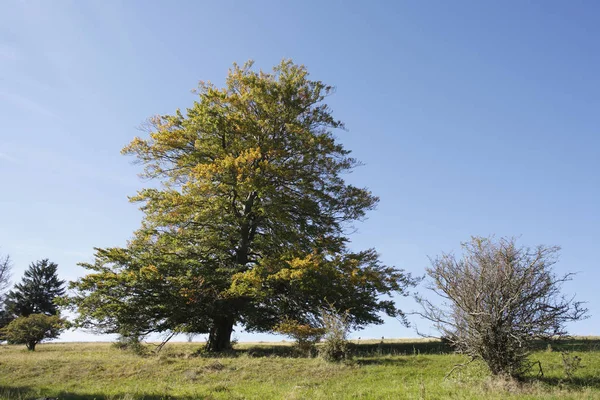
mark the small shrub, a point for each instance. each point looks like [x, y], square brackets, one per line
[132, 343]
[214, 366]
[33, 329]
[505, 384]
[448, 341]
[571, 363]
[335, 346]
[191, 375]
[305, 335]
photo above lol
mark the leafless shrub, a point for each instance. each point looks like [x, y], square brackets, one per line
[335, 346]
[5, 269]
[498, 300]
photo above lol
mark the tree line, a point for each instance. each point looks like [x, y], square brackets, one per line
[248, 225]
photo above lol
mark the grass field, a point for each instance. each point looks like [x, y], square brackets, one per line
[396, 369]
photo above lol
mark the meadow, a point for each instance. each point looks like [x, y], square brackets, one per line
[392, 369]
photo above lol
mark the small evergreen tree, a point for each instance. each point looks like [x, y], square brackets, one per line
[36, 292]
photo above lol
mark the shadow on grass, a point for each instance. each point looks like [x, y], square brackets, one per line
[357, 349]
[438, 347]
[399, 349]
[390, 362]
[27, 393]
[396, 348]
[572, 383]
[574, 344]
[360, 349]
[253, 351]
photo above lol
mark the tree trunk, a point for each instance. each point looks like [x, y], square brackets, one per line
[30, 346]
[219, 337]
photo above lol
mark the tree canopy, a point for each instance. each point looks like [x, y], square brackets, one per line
[36, 292]
[33, 329]
[249, 223]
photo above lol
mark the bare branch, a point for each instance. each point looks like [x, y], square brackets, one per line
[501, 298]
[5, 273]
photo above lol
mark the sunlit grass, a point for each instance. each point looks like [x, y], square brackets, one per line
[394, 369]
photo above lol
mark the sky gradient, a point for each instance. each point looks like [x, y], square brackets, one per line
[471, 117]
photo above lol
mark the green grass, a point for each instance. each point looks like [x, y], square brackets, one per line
[409, 369]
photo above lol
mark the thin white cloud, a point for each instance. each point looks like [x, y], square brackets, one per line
[6, 157]
[54, 250]
[28, 104]
[8, 53]
[54, 52]
[84, 255]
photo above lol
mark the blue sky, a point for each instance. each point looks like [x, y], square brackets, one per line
[472, 118]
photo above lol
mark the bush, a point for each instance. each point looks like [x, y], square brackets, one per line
[33, 329]
[335, 346]
[130, 342]
[500, 300]
[571, 363]
[306, 336]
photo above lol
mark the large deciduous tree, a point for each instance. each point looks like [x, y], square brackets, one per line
[500, 298]
[249, 225]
